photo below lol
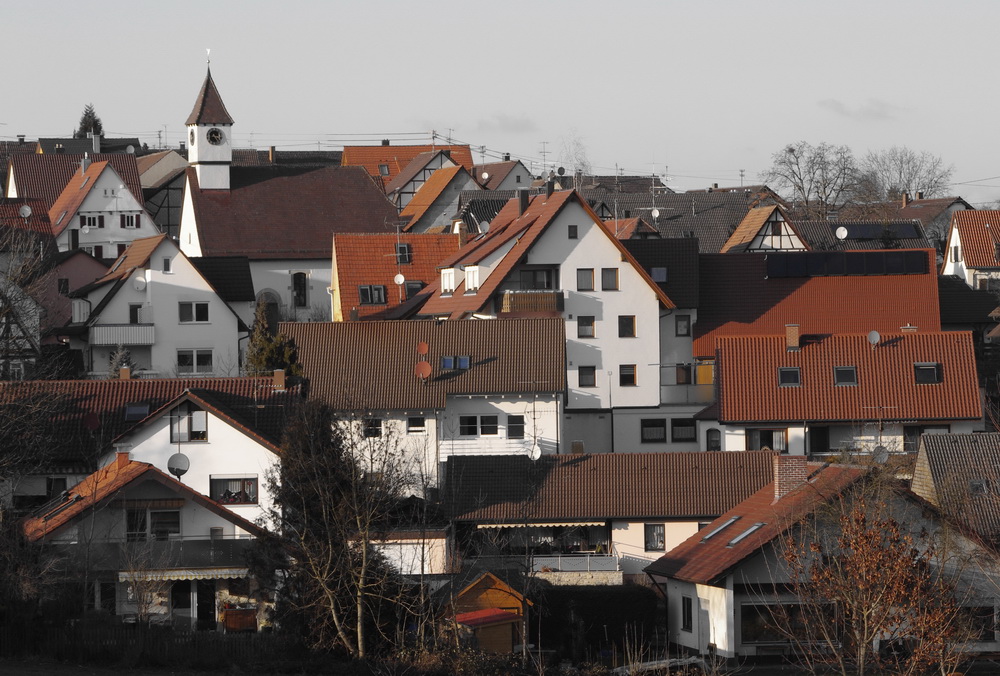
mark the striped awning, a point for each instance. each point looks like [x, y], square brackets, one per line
[183, 574]
[569, 524]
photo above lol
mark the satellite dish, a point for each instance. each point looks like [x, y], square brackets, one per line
[484, 226]
[655, 213]
[874, 337]
[130, 149]
[880, 454]
[422, 370]
[178, 464]
[24, 211]
[85, 229]
[841, 232]
[561, 171]
[399, 279]
[139, 283]
[423, 348]
[486, 176]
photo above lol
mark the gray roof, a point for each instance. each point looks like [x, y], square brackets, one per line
[900, 234]
[229, 275]
[679, 257]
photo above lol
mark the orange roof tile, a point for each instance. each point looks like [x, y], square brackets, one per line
[704, 561]
[364, 259]
[37, 222]
[136, 256]
[627, 228]
[736, 297]
[208, 107]
[886, 387]
[429, 192]
[45, 177]
[979, 231]
[396, 158]
[79, 186]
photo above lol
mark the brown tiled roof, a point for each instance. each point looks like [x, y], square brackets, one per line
[136, 256]
[229, 276]
[679, 257]
[886, 388]
[750, 227]
[208, 107]
[600, 486]
[863, 235]
[86, 145]
[370, 365]
[106, 483]
[980, 234]
[924, 210]
[79, 186]
[396, 158]
[371, 259]
[705, 561]
[410, 171]
[37, 222]
[524, 229]
[287, 211]
[497, 172]
[93, 411]
[960, 473]
[629, 228]
[736, 297]
[45, 176]
[429, 192]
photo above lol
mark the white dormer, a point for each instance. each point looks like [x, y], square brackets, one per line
[471, 278]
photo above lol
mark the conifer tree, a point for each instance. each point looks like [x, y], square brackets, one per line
[89, 122]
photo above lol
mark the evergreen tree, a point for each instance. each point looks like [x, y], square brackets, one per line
[89, 122]
[121, 358]
[267, 352]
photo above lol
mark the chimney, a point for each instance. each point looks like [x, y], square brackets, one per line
[906, 199]
[715, 186]
[183, 146]
[85, 163]
[909, 328]
[59, 148]
[550, 186]
[124, 373]
[506, 156]
[20, 138]
[522, 201]
[279, 379]
[97, 142]
[792, 343]
[385, 141]
[918, 195]
[790, 472]
[121, 460]
[272, 155]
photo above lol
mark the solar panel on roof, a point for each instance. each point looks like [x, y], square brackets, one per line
[846, 263]
[880, 230]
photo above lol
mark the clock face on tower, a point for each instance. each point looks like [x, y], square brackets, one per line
[215, 136]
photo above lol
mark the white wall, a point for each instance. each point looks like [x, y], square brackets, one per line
[416, 556]
[541, 426]
[628, 538]
[276, 276]
[628, 429]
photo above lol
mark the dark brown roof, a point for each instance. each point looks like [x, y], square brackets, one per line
[705, 561]
[37, 222]
[497, 172]
[370, 365]
[45, 176]
[287, 211]
[679, 257]
[689, 486]
[410, 171]
[396, 158]
[861, 235]
[208, 107]
[228, 275]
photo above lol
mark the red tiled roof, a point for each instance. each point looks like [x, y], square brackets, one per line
[362, 259]
[410, 171]
[208, 107]
[524, 229]
[737, 298]
[37, 222]
[886, 387]
[705, 561]
[396, 158]
[370, 365]
[45, 176]
[107, 482]
[497, 172]
[136, 256]
[979, 232]
[626, 228]
[429, 192]
[287, 211]
[79, 186]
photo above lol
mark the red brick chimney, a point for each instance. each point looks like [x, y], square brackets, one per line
[790, 472]
[906, 199]
[792, 337]
[121, 460]
[279, 379]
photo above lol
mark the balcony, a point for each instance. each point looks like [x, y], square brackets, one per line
[581, 562]
[530, 300]
[122, 334]
[176, 552]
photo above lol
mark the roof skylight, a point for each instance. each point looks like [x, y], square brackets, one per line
[721, 528]
[745, 534]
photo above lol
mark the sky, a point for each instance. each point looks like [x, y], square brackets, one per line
[699, 92]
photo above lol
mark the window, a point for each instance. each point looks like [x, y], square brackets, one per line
[448, 280]
[515, 427]
[718, 529]
[687, 613]
[956, 254]
[135, 313]
[136, 411]
[609, 279]
[789, 377]
[471, 278]
[585, 326]
[655, 537]
[413, 288]
[468, 425]
[588, 376]
[460, 362]
[773, 439]
[188, 423]
[585, 279]
[713, 440]
[683, 429]
[130, 221]
[193, 312]
[682, 325]
[164, 524]
[91, 221]
[135, 525]
[537, 279]
[55, 486]
[383, 170]
[404, 253]
[654, 430]
[372, 427]
[927, 373]
[63, 286]
[745, 534]
[489, 425]
[981, 620]
[194, 361]
[626, 326]
[845, 375]
[300, 287]
[626, 375]
[372, 294]
[659, 275]
[572, 231]
[448, 363]
[98, 251]
[682, 374]
[166, 265]
[233, 490]
[416, 425]
[122, 248]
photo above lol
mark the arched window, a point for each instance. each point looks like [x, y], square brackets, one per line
[713, 440]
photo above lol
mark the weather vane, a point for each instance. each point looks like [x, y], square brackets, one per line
[208, 55]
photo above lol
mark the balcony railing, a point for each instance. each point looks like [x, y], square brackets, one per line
[141, 374]
[122, 334]
[531, 300]
[174, 552]
[583, 562]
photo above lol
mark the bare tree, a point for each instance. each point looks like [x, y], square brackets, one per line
[886, 174]
[817, 179]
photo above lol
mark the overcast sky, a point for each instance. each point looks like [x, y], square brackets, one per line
[696, 90]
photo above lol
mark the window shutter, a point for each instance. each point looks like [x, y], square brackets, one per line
[100, 221]
[122, 217]
[83, 221]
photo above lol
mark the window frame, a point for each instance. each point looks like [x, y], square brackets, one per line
[627, 375]
[749, 432]
[840, 371]
[468, 425]
[933, 368]
[250, 488]
[585, 279]
[194, 309]
[404, 253]
[583, 322]
[586, 376]
[515, 426]
[626, 326]
[654, 537]
[609, 279]
[300, 289]
[135, 313]
[414, 427]
[196, 354]
[687, 613]
[489, 425]
[788, 371]
[682, 325]
[652, 424]
[188, 424]
[682, 425]
[572, 231]
[372, 294]
[371, 428]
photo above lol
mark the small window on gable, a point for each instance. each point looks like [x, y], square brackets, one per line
[626, 326]
[188, 423]
[585, 279]
[789, 377]
[845, 375]
[383, 170]
[166, 265]
[659, 275]
[927, 373]
[585, 326]
[572, 231]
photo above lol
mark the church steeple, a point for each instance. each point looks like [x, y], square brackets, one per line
[210, 138]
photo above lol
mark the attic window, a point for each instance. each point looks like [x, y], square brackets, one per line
[659, 275]
[383, 170]
[845, 376]
[745, 534]
[404, 254]
[136, 411]
[927, 373]
[721, 528]
[789, 377]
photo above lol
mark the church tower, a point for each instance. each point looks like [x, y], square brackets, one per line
[210, 141]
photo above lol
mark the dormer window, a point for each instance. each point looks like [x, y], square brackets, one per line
[448, 280]
[789, 377]
[471, 278]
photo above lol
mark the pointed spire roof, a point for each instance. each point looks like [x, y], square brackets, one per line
[209, 108]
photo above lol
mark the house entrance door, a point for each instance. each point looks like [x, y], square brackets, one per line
[205, 593]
